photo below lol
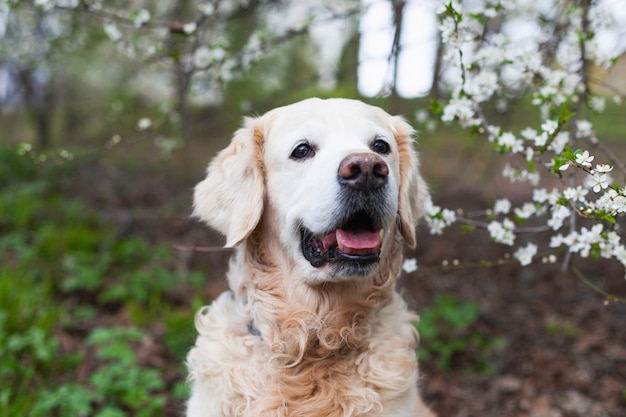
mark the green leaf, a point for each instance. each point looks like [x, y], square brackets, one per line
[562, 201]
[450, 10]
[436, 108]
[609, 218]
[565, 114]
[569, 154]
[107, 335]
[479, 17]
[110, 411]
[557, 164]
[595, 251]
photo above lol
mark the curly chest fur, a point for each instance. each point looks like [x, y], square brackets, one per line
[243, 374]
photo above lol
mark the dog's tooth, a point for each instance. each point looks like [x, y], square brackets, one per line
[340, 244]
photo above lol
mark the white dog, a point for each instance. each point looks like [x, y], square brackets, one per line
[317, 198]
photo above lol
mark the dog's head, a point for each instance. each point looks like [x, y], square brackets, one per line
[332, 180]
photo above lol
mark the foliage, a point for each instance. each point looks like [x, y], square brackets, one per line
[62, 268]
[490, 67]
[450, 337]
[564, 328]
[245, 56]
[100, 75]
[120, 384]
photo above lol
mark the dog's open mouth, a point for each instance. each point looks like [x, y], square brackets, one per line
[356, 240]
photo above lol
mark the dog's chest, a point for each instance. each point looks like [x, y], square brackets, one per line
[354, 384]
[241, 374]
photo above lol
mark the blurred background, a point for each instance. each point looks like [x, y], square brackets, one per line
[109, 115]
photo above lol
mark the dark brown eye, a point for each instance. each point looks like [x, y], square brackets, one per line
[380, 146]
[302, 151]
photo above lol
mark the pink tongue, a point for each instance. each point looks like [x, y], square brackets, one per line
[361, 240]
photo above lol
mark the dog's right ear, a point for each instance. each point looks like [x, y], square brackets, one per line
[230, 198]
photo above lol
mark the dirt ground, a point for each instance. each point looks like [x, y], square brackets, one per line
[564, 351]
[564, 348]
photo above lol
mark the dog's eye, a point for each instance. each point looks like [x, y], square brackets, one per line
[302, 151]
[380, 146]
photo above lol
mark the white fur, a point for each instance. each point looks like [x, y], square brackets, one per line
[327, 346]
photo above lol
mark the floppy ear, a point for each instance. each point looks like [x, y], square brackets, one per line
[413, 188]
[230, 198]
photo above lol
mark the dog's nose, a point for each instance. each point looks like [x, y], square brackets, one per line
[363, 171]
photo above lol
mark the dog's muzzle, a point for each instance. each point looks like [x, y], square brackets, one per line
[354, 242]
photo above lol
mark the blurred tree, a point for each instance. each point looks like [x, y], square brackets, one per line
[158, 65]
[123, 54]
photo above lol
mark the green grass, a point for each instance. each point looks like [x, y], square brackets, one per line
[450, 337]
[62, 271]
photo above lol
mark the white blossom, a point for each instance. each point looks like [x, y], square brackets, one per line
[525, 255]
[144, 123]
[583, 129]
[141, 18]
[620, 254]
[559, 240]
[443, 7]
[549, 126]
[508, 140]
[461, 109]
[435, 226]
[201, 57]
[530, 153]
[409, 265]
[585, 239]
[113, 32]
[603, 168]
[559, 214]
[526, 211]
[448, 216]
[584, 159]
[482, 86]
[540, 195]
[532, 177]
[486, 70]
[206, 9]
[422, 116]
[529, 133]
[430, 208]
[67, 3]
[189, 28]
[599, 182]
[575, 194]
[45, 4]
[502, 232]
[491, 55]
[597, 103]
[502, 206]
[558, 143]
[437, 218]
[612, 202]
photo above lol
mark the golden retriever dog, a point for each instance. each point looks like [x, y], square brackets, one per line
[317, 198]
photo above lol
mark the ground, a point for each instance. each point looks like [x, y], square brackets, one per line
[564, 350]
[559, 349]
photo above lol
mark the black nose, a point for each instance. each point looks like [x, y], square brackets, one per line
[362, 171]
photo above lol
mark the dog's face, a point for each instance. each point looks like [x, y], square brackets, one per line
[333, 178]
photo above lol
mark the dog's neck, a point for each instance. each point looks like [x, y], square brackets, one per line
[303, 322]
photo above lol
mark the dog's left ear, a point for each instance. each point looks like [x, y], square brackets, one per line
[413, 188]
[230, 198]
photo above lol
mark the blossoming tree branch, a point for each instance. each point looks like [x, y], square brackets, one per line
[582, 212]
